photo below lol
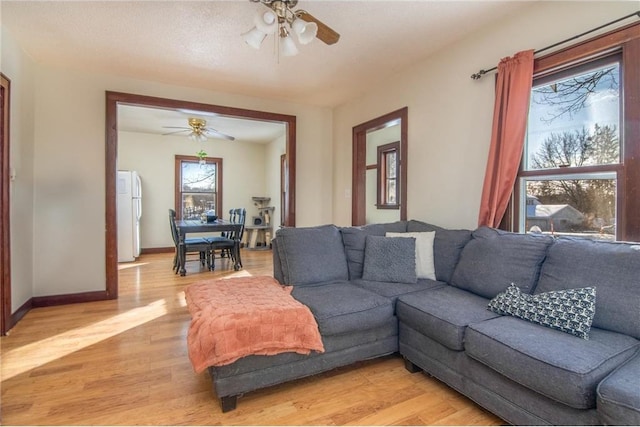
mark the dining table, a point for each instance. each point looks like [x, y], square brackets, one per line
[186, 226]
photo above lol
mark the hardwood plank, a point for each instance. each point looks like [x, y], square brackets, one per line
[125, 362]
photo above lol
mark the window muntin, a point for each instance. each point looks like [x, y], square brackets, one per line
[198, 186]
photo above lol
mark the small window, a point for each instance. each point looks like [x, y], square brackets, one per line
[388, 184]
[198, 186]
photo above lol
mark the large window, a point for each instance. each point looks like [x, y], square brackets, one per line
[198, 186]
[579, 174]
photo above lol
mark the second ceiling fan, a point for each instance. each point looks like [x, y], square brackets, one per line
[198, 130]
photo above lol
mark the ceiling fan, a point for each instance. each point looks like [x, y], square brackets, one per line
[280, 16]
[198, 130]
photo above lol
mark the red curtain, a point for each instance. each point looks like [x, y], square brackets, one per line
[513, 91]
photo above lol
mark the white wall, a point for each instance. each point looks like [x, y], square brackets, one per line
[19, 69]
[450, 114]
[274, 150]
[70, 158]
[153, 156]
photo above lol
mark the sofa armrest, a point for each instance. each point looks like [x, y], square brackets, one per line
[618, 395]
[277, 267]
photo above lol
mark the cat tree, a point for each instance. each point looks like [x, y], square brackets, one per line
[259, 231]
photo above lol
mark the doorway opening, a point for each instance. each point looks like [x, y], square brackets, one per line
[362, 137]
[114, 99]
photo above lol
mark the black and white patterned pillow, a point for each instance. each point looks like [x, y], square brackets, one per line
[570, 310]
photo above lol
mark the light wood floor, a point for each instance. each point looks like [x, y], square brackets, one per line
[125, 362]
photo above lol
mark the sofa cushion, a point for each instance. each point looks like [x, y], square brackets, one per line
[390, 259]
[354, 239]
[425, 268]
[613, 268]
[618, 398]
[557, 365]
[493, 259]
[341, 307]
[394, 290]
[443, 314]
[447, 246]
[568, 311]
[311, 255]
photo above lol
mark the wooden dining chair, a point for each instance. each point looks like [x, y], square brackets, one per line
[226, 243]
[199, 245]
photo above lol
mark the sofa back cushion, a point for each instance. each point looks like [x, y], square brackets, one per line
[390, 259]
[494, 259]
[311, 255]
[354, 239]
[612, 268]
[447, 246]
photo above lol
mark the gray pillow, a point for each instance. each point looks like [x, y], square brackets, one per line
[613, 267]
[494, 258]
[354, 239]
[570, 310]
[390, 259]
[311, 255]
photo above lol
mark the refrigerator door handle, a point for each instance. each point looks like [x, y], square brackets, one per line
[138, 196]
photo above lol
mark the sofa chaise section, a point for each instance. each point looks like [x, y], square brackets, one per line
[355, 324]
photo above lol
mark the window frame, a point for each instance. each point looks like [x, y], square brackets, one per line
[179, 159]
[382, 171]
[626, 41]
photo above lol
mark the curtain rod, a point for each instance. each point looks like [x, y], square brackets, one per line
[482, 72]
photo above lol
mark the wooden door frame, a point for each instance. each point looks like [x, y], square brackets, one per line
[5, 208]
[113, 99]
[359, 166]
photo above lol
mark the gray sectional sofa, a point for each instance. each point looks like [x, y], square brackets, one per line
[370, 300]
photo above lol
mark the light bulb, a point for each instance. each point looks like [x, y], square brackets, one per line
[266, 22]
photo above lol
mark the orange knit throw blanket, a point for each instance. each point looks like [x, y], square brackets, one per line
[233, 318]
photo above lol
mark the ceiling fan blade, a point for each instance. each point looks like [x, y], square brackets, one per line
[218, 134]
[174, 132]
[325, 33]
[176, 127]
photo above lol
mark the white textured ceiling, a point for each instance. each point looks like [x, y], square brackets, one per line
[155, 121]
[198, 43]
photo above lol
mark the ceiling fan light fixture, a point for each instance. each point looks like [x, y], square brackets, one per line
[306, 31]
[266, 22]
[254, 38]
[198, 137]
[287, 45]
[282, 17]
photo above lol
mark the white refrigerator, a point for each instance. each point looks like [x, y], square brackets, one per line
[129, 207]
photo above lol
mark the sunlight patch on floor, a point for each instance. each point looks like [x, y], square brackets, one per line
[39, 353]
[241, 273]
[131, 265]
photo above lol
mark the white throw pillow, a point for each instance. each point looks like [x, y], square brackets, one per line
[425, 268]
